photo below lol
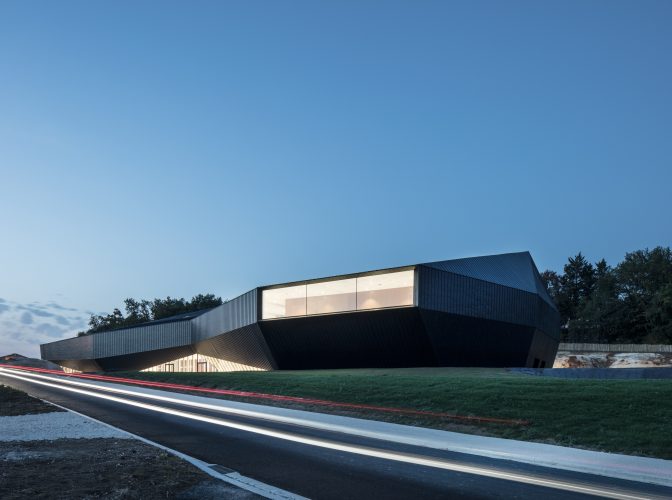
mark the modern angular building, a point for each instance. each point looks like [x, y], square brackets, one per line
[481, 311]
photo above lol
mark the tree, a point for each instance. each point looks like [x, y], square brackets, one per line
[142, 311]
[631, 303]
[551, 280]
[200, 301]
[164, 308]
[600, 317]
[575, 287]
[659, 315]
[644, 272]
[99, 323]
[137, 311]
[644, 277]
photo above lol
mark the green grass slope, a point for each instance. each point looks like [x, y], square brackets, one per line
[623, 416]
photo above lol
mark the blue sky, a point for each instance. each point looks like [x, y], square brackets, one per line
[171, 148]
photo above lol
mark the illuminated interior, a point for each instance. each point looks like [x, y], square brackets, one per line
[373, 291]
[200, 363]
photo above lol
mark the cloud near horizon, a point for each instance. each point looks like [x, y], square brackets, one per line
[23, 327]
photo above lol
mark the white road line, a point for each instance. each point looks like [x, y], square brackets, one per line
[361, 450]
[195, 404]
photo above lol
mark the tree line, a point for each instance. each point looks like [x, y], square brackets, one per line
[142, 311]
[628, 303]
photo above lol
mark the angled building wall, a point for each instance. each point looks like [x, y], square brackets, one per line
[230, 332]
[488, 311]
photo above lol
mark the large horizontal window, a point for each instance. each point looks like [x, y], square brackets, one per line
[332, 296]
[284, 302]
[375, 291]
[385, 290]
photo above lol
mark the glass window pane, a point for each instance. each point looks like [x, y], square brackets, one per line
[332, 296]
[283, 302]
[385, 290]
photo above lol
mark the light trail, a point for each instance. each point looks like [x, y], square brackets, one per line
[197, 404]
[359, 450]
[279, 397]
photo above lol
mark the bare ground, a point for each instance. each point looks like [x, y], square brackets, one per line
[102, 468]
[96, 468]
[15, 403]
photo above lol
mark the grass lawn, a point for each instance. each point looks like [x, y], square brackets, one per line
[623, 416]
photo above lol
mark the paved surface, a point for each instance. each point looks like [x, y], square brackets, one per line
[320, 463]
[55, 425]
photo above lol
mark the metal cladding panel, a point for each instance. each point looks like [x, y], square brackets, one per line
[457, 294]
[542, 349]
[142, 360]
[514, 270]
[244, 346]
[466, 341]
[542, 291]
[74, 348]
[549, 320]
[232, 315]
[383, 338]
[141, 339]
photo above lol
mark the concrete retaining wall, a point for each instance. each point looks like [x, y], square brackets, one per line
[652, 348]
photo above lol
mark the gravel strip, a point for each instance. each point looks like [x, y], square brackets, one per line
[54, 425]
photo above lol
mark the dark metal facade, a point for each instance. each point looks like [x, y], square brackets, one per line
[234, 314]
[488, 311]
[378, 338]
[481, 311]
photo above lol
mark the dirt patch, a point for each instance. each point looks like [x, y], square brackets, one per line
[102, 468]
[13, 403]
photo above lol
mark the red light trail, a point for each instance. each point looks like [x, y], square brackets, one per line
[278, 397]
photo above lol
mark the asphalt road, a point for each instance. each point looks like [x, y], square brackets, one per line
[319, 471]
